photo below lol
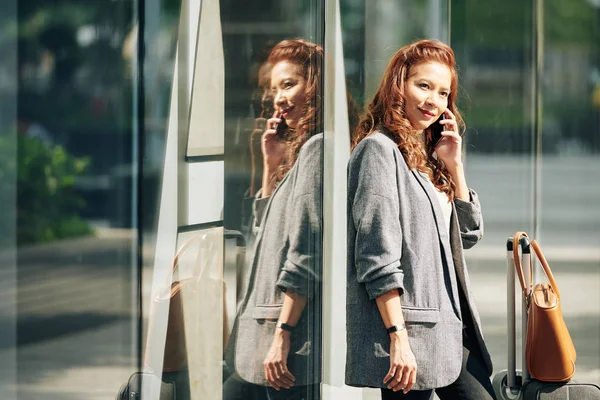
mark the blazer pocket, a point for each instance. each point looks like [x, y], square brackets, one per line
[427, 315]
[267, 311]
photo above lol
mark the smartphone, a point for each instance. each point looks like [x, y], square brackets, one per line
[281, 128]
[436, 130]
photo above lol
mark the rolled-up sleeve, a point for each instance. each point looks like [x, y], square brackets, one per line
[470, 220]
[301, 270]
[374, 199]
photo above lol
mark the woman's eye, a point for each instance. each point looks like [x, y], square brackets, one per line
[288, 85]
[423, 85]
[444, 94]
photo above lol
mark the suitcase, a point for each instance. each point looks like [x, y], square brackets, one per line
[510, 384]
[150, 386]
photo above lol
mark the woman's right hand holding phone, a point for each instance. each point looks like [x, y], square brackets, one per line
[273, 149]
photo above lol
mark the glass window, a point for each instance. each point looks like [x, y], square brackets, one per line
[569, 220]
[494, 50]
[69, 140]
[273, 173]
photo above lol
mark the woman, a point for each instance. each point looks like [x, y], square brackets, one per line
[275, 346]
[412, 324]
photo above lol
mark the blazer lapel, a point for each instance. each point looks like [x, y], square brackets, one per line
[259, 235]
[437, 210]
[442, 233]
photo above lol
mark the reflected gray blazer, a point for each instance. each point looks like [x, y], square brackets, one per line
[287, 255]
[397, 240]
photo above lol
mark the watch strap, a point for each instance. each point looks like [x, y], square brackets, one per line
[396, 328]
[285, 327]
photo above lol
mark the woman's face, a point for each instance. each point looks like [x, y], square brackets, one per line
[288, 88]
[426, 91]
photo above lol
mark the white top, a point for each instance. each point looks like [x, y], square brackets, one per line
[446, 208]
[444, 205]
[442, 199]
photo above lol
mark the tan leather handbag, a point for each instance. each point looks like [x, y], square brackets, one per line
[170, 301]
[550, 352]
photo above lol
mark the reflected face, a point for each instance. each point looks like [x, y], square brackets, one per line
[288, 89]
[426, 91]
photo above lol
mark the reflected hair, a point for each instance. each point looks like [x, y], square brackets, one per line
[388, 109]
[308, 57]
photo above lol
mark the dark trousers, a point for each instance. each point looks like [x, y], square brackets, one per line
[473, 383]
[235, 388]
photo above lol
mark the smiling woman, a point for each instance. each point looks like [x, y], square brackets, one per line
[427, 91]
[289, 92]
[412, 321]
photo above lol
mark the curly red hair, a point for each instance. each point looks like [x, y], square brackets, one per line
[309, 59]
[387, 109]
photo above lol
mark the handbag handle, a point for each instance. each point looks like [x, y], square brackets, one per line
[519, 267]
[540, 256]
[184, 248]
[538, 252]
[179, 254]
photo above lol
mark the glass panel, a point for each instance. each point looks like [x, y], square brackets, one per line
[569, 231]
[493, 46]
[76, 296]
[159, 26]
[273, 191]
[8, 199]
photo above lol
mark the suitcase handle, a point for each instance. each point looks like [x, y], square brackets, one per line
[511, 377]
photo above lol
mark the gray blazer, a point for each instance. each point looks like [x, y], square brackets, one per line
[397, 240]
[287, 255]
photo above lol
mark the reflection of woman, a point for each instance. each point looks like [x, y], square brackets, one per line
[412, 322]
[275, 345]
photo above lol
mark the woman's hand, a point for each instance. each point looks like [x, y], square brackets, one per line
[449, 151]
[272, 147]
[273, 150]
[403, 365]
[449, 148]
[275, 364]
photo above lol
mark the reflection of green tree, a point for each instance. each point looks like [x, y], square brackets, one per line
[87, 84]
[47, 207]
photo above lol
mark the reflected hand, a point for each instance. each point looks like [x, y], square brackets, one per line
[449, 149]
[402, 374]
[273, 148]
[275, 364]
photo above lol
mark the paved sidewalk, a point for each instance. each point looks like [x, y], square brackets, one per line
[88, 365]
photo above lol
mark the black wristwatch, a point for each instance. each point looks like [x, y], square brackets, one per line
[285, 327]
[396, 328]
